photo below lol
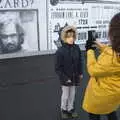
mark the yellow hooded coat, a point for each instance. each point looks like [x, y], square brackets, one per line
[102, 94]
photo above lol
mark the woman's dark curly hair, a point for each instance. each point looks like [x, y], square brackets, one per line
[114, 33]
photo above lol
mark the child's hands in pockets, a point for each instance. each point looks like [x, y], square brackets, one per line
[68, 82]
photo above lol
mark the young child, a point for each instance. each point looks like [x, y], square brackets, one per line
[68, 68]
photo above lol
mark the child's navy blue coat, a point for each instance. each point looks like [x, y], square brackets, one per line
[68, 64]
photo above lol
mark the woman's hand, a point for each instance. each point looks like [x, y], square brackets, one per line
[98, 44]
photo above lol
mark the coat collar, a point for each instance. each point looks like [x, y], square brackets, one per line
[68, 45]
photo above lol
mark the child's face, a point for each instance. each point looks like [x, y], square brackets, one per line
[70, 40]
[70, 37]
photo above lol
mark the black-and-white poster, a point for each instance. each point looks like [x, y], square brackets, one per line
[31, 27]
[22, 28]
[18, 31]
[83, 14]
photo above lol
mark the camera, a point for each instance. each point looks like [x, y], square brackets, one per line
[92, 35]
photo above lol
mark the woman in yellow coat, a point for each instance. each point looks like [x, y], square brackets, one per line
[102, 94]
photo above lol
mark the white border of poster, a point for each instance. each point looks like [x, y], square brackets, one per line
[92, 15]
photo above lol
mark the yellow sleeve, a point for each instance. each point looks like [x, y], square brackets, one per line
[94, 68]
